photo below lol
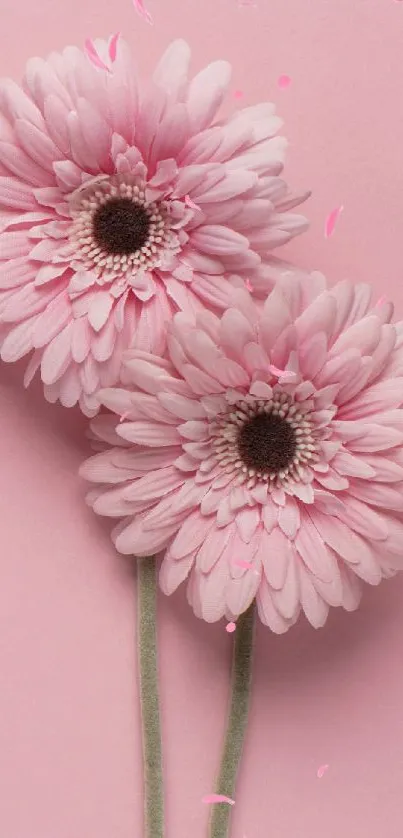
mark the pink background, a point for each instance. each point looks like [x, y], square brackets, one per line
[69, 721]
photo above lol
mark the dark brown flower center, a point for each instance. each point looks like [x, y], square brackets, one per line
[267, 443]
[121, 226]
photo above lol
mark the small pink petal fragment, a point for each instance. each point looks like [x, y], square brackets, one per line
[238, 94]
[123, 417]
[142, 11]
[93, 56]
[286, 375]
[249, 285]
[113, 46]
[381, 302]
[218, 798]
[331, 221]
[230, 627]
[242, 563]
[190, 203]
[321, 771]
[283, 81]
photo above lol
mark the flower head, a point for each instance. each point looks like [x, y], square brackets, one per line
[264, 456]
[123, 204]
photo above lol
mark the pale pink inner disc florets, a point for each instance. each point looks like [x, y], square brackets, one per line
[265, 441]
[117, 233]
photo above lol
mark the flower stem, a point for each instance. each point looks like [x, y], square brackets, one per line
[238, 717]
[149, 698]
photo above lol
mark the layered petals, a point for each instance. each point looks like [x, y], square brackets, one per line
[123, 204]
[282, 484]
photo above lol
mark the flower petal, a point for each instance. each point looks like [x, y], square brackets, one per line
[57, 356]
[172, 69]
[99, 310]
[274, 554]
[218, 240]
[192, 533]
[206, 93]
[149, 433]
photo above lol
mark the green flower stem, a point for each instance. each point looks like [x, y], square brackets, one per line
[149, 697]
[238, 717]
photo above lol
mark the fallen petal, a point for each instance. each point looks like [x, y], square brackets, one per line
[331, 221]
[218, 798]
[142, 11]
[242, 563]
[283, 81]
[94, 57]
[113, 45]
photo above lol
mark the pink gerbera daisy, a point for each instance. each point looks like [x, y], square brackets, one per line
[122, 204]
[264, 456]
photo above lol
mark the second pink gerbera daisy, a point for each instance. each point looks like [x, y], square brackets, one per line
[122, 204]
[264, 456]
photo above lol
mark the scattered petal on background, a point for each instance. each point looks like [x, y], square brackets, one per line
[331, 221]
[93, 56]
[113, 45]
[230, 627]
[238, 94]
[249, 285]
[284, 81]
[242, 563]
[142, 11]
[321, 771]
[218, 798]
[382, 300]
